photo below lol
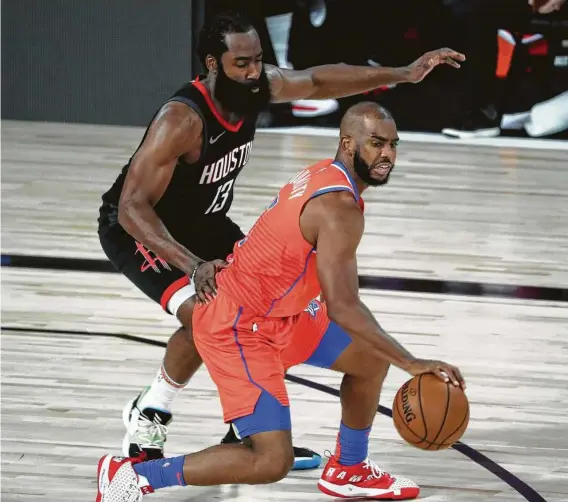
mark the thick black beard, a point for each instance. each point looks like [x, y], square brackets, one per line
[364, 172]
[238, 97]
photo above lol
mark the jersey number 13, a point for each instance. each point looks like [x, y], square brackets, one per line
[221, 197]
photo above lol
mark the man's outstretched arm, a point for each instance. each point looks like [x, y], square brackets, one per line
[340, 80]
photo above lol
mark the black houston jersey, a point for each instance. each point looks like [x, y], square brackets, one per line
[201, 192]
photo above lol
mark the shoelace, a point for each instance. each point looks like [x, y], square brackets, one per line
[368, 464]
[151, 433]
[376, 471]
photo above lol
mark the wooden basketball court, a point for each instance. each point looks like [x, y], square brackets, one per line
[473, 239]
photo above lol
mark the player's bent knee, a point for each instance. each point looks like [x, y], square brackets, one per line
[269, 430]
[274, 455]
[358, 361]
[184, 312]
[276, 469]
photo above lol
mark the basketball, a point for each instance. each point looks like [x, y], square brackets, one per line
[429, 413]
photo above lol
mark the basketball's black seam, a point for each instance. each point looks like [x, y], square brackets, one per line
[458, 427]
[420, 403]
[406, 425]
[448, 399]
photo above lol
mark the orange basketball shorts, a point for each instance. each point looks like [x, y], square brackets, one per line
[247, 357]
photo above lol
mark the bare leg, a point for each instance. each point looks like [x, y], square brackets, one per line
[182, 359]
[180, 363]
[362, 383]
[268, 459]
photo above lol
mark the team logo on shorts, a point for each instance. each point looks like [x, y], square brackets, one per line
[313, 308]
[150, 261]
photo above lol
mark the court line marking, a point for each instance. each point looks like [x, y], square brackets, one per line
[432, 286]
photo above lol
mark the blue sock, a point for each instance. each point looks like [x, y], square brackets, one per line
[352, 445]
[163, 472]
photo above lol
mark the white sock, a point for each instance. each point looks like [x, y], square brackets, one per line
[162, 392]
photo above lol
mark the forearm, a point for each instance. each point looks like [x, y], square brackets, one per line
[340, 80]
[360, 323]
[141, 222]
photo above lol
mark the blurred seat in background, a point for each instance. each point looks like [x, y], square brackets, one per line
[497, 37]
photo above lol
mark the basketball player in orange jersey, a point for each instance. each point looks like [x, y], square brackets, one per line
[166, 216]
[304, 244]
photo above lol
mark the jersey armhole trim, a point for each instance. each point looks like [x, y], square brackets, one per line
[333, 188]
[193, 105]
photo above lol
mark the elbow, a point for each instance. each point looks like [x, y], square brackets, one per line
[123, 218]
[127, 208]
[338, 311]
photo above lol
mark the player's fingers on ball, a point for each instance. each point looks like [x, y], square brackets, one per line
[460, 377]
[441, 374]
[451, 372]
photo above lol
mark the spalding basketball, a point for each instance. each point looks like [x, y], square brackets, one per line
[429, 413]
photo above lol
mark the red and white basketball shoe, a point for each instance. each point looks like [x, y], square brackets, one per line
[119, 482]
[364, 480]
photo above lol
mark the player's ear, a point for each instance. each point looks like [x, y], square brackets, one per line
[211, 63]
[348, 145]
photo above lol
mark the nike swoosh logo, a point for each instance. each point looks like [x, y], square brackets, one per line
[214, 140]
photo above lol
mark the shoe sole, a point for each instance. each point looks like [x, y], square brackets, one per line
[344, 492]
[304, 463]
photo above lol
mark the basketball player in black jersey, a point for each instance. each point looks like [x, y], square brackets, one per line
[164, 223]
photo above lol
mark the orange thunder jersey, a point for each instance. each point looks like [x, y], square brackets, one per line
[273, 270]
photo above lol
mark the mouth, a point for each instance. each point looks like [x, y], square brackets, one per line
[381, 170]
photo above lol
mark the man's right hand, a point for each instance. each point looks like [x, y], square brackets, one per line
[444, 371]
[204, 279]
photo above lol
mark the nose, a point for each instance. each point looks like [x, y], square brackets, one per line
[387, 153]
[254, 70]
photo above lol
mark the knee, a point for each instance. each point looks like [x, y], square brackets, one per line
[381, 369]
[360, 362]
[273, 459]
[373, 367]
[274, 466]
[185, 313]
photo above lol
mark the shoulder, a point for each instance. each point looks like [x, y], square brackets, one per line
[273, 73]
[335, 209]
[178, 118]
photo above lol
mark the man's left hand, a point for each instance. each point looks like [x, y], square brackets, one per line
[427, 62]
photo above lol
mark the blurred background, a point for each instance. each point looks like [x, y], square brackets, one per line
[108, 62]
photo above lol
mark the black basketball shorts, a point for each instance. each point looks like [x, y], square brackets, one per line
[157, 279]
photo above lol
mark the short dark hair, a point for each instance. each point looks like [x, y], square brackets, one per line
[212, 35]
